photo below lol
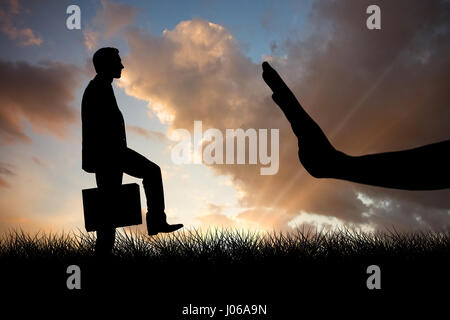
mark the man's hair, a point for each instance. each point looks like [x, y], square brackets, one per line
[103, 57]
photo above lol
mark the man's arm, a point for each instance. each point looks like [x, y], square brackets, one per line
[424, 168]
[100, 131]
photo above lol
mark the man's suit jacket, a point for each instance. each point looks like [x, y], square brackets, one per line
[103, 128]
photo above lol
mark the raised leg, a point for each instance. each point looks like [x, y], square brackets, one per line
[139, 166]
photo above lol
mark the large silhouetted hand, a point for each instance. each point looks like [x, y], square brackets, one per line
[315, 152]
[423, 168]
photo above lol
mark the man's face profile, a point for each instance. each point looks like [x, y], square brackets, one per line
[116, 66]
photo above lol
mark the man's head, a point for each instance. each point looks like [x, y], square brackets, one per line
[107, 62]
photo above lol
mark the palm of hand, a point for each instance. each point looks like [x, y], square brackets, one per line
[315, 151]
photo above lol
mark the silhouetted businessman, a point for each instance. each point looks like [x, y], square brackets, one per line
[105, 150]
[423, 168]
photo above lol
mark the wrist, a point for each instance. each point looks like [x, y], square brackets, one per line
[341, 165]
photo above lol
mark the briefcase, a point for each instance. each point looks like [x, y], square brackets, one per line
[115, 208]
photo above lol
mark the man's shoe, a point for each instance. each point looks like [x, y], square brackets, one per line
[156, 224]
[164, 228]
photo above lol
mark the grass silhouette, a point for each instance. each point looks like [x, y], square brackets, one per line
[220, 245]
[230, 266]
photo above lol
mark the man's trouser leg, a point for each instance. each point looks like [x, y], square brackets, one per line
[105, 241]
[138, 166]
[107, 179]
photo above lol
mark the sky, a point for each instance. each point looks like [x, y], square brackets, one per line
[370, 90]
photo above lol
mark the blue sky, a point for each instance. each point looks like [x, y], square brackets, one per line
[256, 25]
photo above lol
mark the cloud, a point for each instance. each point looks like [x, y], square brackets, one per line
[39, 94]
[115, 16]
[216, 217]
[370, 91]
[5, 170]
[25, 36]
[3, 183]
[108, 22]
[39, 162]
[265, 218]
[34, 213]
[148, 134]
[195, 71]
[91, 38]
[217, 220]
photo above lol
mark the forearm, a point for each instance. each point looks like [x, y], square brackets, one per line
[424, 168]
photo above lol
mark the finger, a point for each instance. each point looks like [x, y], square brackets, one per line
[294, 112]
[285, 106]
[278, 99]
[272, 78]
[284, 97]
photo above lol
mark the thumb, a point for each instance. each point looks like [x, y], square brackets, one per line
[281, 101]
[275, 98]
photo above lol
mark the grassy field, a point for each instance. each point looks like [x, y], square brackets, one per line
[220, 265]
[218, 246]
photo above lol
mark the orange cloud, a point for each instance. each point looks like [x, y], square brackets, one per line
[5, 170]
[40, 94]
[218, 220]
[38, 161]
[25, 35]
[215, 217]
[3, 183]
[91, 38]
[149, 134]
[107, 22]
